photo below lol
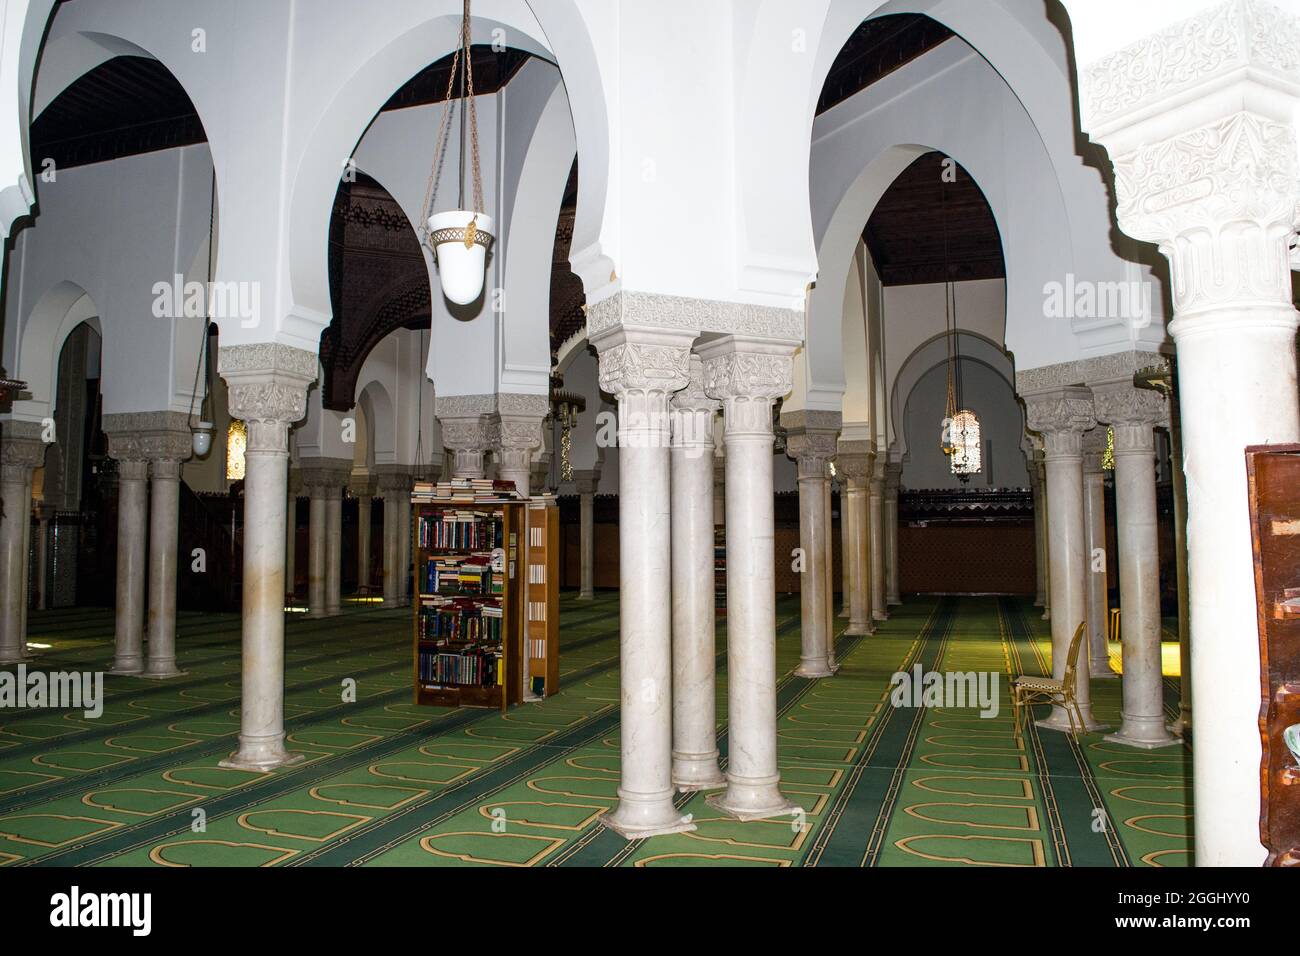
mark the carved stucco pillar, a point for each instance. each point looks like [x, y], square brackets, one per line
[1061, 416]
[1199, 121]
[268, 391]
[467, 431]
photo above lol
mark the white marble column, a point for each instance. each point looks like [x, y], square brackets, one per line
[268, 391]
[291, 535]
[43, 514]
[1040, 565]
[333, 550]
[642, 368]
[132, 523]
[164, 540]
[516, 431]
[856, 462]
[1096, 600]
[1062, 415]
[586, 482]
[21, 452]
[1212, 178]
[748, 375]
[846, 545]
[1133, 414]
[317, 556]
[893, 479]
[828, 567]
[1183, 725]
[364, 491]
[695, 717]
[1044, 534]
[404, 544]
[876, 531]
[812, 443]
[392, 488]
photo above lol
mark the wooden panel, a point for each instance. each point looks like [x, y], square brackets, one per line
[1273, 476]
[966, 559]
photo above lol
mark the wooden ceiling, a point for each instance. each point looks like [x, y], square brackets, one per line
[927, 230]
[877, 48]
[132, 104]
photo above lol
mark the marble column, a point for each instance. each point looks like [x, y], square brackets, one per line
[747, 375]
[1096, 599]
[1044, 534]
[333, 550]
[268, 392]
[395, 484]
[695, 718]
[132, 524]
[1213, 181]
[828, 566]
[846, 545]
[876, 530]
[856, 463]
[21, 452]
[719, 489]
[1133, 413]
[1061, 415]
[587, 482]
[893, 479]
[43, 514]
[1040, 566]
[317, 488]
[168, 445]
[812, 442]
[516, 431]
[643, 368]
[363, 489]
[1183, 725]
[291, 535]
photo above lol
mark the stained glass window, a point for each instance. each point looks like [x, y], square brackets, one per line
[965, 443]
[236, 445]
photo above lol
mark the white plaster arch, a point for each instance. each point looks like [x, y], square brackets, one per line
[534, 186]
[56, 314]
[923, 359]
[24, 27]
[381, 423]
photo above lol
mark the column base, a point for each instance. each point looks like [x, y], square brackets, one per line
[161, 672]
[844, 612]
[127, 668]
[748, 800]
[315, 615]
[1146, 734]
[880, 616]
[893, 600]
[23, 658]
[859, 630]
[586, 597]
[693, 773]
[814, 668]
[262, 754]
[1181, 728]
[1047, 614]
[1058, 721]
[638, 817]
[1102, 672]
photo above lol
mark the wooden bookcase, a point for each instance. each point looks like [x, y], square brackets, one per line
[542, 624]
[461, 657]
[1273, 477]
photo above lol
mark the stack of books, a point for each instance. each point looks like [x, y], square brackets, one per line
[465, 489]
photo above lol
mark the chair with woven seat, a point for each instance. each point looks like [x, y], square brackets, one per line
[1028, 691]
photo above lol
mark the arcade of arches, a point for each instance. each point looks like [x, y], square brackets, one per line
[964, 356]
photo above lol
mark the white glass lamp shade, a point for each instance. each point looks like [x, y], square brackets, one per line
[461, 253]
[202, 436]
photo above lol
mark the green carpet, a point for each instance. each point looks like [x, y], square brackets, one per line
[387, 783]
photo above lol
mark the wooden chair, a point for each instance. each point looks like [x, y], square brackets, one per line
[1027, 691]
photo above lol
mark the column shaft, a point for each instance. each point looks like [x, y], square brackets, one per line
[1094, 521]
[21, 451]
[317, 557]
[363, 539]
[695, 744]
[132, 522]
[877, 531]
[164, 534]
[333, 551]
[587, 545]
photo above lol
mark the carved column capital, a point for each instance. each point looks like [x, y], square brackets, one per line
[325, 477]
[691, 412]
[393, 481]
[856, 462]
[812, 450]
[1132, 413]
[1094, 449]
[586, 482]
[1061, 416]
[22, 449]
[748, 375]
[267, 390]
[637, 361]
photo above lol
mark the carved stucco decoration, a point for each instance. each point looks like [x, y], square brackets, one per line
[653, 310]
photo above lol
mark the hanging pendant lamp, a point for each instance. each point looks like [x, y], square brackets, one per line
[460, 238]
